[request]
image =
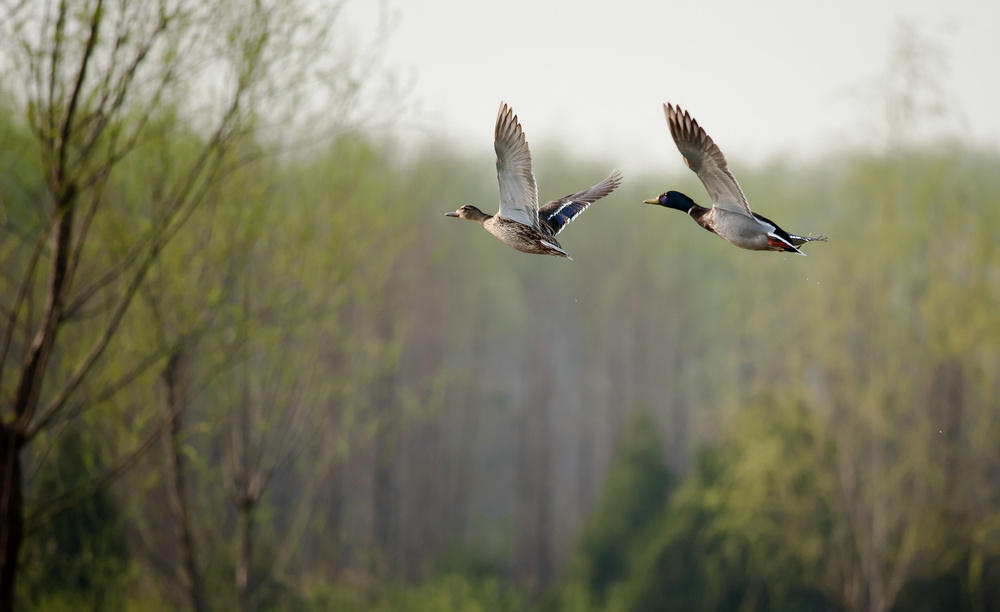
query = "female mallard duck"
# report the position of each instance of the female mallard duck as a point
(520, 222)
(729, 217)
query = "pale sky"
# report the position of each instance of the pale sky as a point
(774, 78)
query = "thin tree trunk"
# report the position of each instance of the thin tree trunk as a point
(384, 489)
(244, 529)
(12, 504)
(26, 396)
(543, 454)
(534, 431)
(179, 501)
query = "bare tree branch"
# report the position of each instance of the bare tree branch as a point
(23, 291)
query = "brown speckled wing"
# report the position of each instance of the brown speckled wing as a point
(518, 192)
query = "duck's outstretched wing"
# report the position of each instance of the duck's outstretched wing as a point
(518, 192)
(555, 215)
(703, 156)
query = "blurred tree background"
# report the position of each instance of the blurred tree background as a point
(247, 364)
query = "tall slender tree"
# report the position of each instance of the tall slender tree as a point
(99, 81)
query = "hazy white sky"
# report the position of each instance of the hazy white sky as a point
(779, 77)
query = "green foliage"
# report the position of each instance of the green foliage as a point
(741, 532)
(759, 525)
(81, 555)
(862, 385)
(634, 497)
(450, 593)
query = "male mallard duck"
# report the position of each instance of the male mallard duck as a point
(520, 222)
(729, 217)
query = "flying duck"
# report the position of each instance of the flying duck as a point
(729, 217)
(520, 222)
